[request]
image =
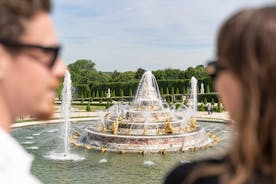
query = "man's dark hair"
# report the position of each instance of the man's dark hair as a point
(14, 13)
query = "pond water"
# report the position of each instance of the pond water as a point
(107, 167)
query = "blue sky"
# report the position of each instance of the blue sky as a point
(124, 35)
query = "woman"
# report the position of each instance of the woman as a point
(245, 78)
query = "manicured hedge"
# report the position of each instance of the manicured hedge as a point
(123, 89)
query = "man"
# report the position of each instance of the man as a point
(29, 73)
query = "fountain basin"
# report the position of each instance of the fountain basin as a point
(146, 143)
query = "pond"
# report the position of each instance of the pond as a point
(107, 167)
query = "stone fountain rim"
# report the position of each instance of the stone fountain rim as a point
(200, 130)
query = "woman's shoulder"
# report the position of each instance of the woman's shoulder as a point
(179, 174)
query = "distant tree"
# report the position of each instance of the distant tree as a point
(201, 107)
(160, 74)
(139, 73)
(93, 94)
(113, 93)
(219, 109)
(115, 75)
(183, 90)
(125, 77)
(58, 91)
(177, 91)
(83, 72)
(130, 92)
(82, 98)
(212, 102)
(205, 101)
(122, 92)
(97, 93)
(89, 94)
(167, 91)
(88, 108)
(208, 89)
(168, 99)
(172, 90)
(161, 91)
(107, 105)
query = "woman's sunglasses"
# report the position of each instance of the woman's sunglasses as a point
(213, 68)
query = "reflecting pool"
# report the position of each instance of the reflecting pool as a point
(44, 140)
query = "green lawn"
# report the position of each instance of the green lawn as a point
(93, 107)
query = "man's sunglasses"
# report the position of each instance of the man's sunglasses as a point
(213, 68)
(53, 51)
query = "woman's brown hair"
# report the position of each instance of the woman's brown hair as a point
(246, 46)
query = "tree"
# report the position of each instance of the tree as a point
(107, 105)
(113, 93)
(201, 107)
(130, 92)
(59, 91)
(115, 75)
(122, 92)
(172, 91)
(93, 94)
(160, 74)
(89, 94)
(205, 101)
(219, 109)
(208, 89)
(97, 93)
(177, 91)
(88, 108)
(167, 91)
(79, 70)
(161, 91)
(183, 90)
(124, 77)
(82, 98)
(213, 102)
(139, 73)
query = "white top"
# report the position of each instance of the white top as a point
(15, 162)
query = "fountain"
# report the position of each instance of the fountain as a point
(148, 124)
(202, 88)
(141, 128)
(66, 112)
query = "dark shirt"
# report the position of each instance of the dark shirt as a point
(179, 174)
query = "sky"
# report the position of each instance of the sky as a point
(125, 35)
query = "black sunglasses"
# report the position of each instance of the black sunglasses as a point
(54, 51)
(213, 68)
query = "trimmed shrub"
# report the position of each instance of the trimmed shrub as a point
(219, 109)
(88, 107)
(208, 96)
(82, 98)
(205, 101)
(201, 107)
(212, 102)
(130, 92)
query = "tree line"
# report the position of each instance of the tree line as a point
(88, 82)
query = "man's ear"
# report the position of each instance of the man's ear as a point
(4, 61)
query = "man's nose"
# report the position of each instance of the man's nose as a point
(59, 69)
